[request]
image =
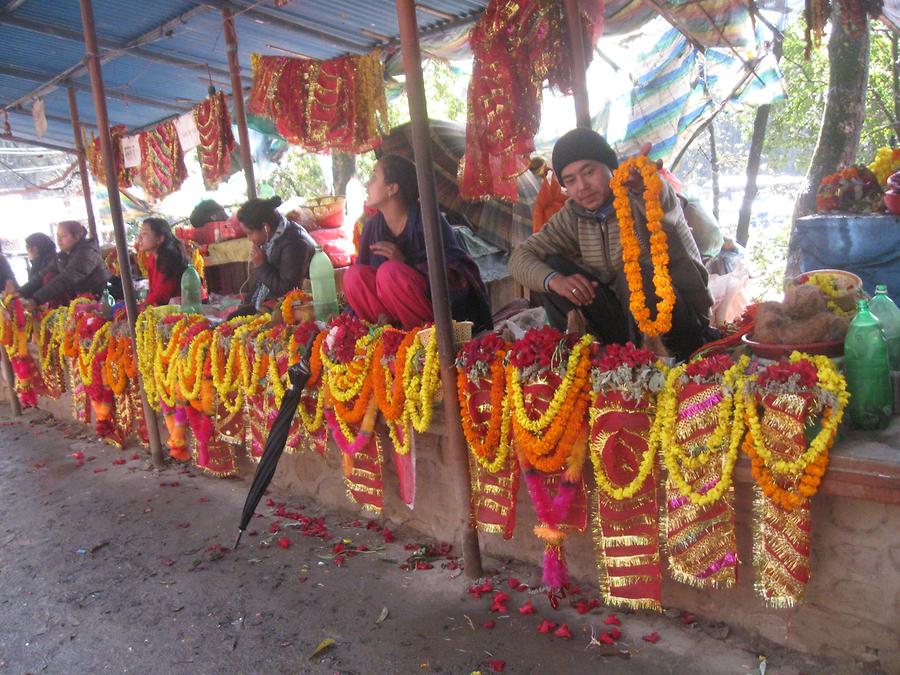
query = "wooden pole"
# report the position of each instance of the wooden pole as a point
(82, 164)
(115, 207)
(437, 276)
(579, 68)
(10, 378)
(237, 99)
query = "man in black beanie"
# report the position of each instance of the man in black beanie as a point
(575, 261)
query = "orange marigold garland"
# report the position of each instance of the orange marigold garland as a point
(487, 423)
(548, 379)
(631, 247)
(802, 394)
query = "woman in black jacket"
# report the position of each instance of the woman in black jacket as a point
(281, 251)
(42, 266)
(81, 267)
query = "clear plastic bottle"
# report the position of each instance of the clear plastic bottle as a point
(321, 279)
(888, 314)
(868, 371)
(107, 302)
(190, 290)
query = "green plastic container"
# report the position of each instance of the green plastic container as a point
(321, 280)
(190, 291)
(888, 314)
(868, 371)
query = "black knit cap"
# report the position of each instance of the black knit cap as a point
(581, 144)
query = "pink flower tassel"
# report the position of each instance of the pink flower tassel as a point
(556, 572)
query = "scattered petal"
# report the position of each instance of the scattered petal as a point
(615, 634)
(77, 455)
(383, 615)
(563, 632)
(135, 456)
(497, 665)
(119, 462)
(606, 639)
(612, 620)
(687, 618)
(489, 624)
(651, 637)
(527, 608)
(547, 627)
(101, 469)
(322, 646)
(513, 583)
(284, 542)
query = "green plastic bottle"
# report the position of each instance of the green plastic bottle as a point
(868, 371)
(887, 313)
(190, 290)
(321, 279)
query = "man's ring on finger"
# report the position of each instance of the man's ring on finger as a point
(575, 291)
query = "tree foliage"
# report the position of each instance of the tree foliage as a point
(795, 121)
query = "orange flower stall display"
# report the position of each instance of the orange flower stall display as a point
(626, 381)
(548, 381)
(487, 423)
(631, 249)
(801, 394)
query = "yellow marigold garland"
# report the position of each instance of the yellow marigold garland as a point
(420, 389)
(631, 249)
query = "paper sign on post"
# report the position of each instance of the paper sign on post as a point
(131, 151)
(188, 134)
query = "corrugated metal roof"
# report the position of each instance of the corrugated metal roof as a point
(41, 40)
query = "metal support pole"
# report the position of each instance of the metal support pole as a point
(82, 164)
(237, 99)
(579, 68)
(10, 378)
(437, 276)
(115, 208)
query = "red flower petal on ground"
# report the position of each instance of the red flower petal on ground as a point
(522, 587)
(615, 634)
(135, 456)
(563, 632)
(424, 566)
(582, 606)
(547, 627)
(513, 584)
(284, 542)
(612, 620)
(101, 469)
(119, 462)
(183, 526)
(167, 562)
(497, 665)
(489, 624)
(203, 500)
(652, 637)
(275, 527)
(500, 596)
(39, 465)
(687, 618)
(338, 561)
(527, 608)
(388, 535)
(606, 639)
(77, 455)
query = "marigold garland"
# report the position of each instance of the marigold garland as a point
(490, 447)
(287, 304)
(419, 388)
(631, 249)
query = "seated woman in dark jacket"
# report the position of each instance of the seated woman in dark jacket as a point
(390, 278)
(81, 267)
(42, 267)
(280, 255)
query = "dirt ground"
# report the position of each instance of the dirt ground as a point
(107, 565)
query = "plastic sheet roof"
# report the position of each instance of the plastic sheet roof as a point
(159, 57)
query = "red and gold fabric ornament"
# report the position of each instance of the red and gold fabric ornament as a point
(216, 139)
(162, 161)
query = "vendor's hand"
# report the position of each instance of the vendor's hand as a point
(576, 288)
(387, 250)
(257, 257)
(635, 182)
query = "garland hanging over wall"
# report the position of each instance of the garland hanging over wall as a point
(216, 139)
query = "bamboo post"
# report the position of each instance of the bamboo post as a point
(437, 276)
(237, 100)
(579, 69)
(115, 207)
(10, 378)
(82, 164)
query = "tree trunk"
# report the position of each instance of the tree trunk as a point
(845, 110)
(757, 141)
(714, 167)
(343, 166)
(895, 80)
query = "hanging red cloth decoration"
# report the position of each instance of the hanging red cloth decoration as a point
(517, 44)
(216, 139)
(95, 157)
(339, 104)
(162, 161)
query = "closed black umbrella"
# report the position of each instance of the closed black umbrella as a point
(278, 434)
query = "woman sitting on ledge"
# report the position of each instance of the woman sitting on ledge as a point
(389, 281)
